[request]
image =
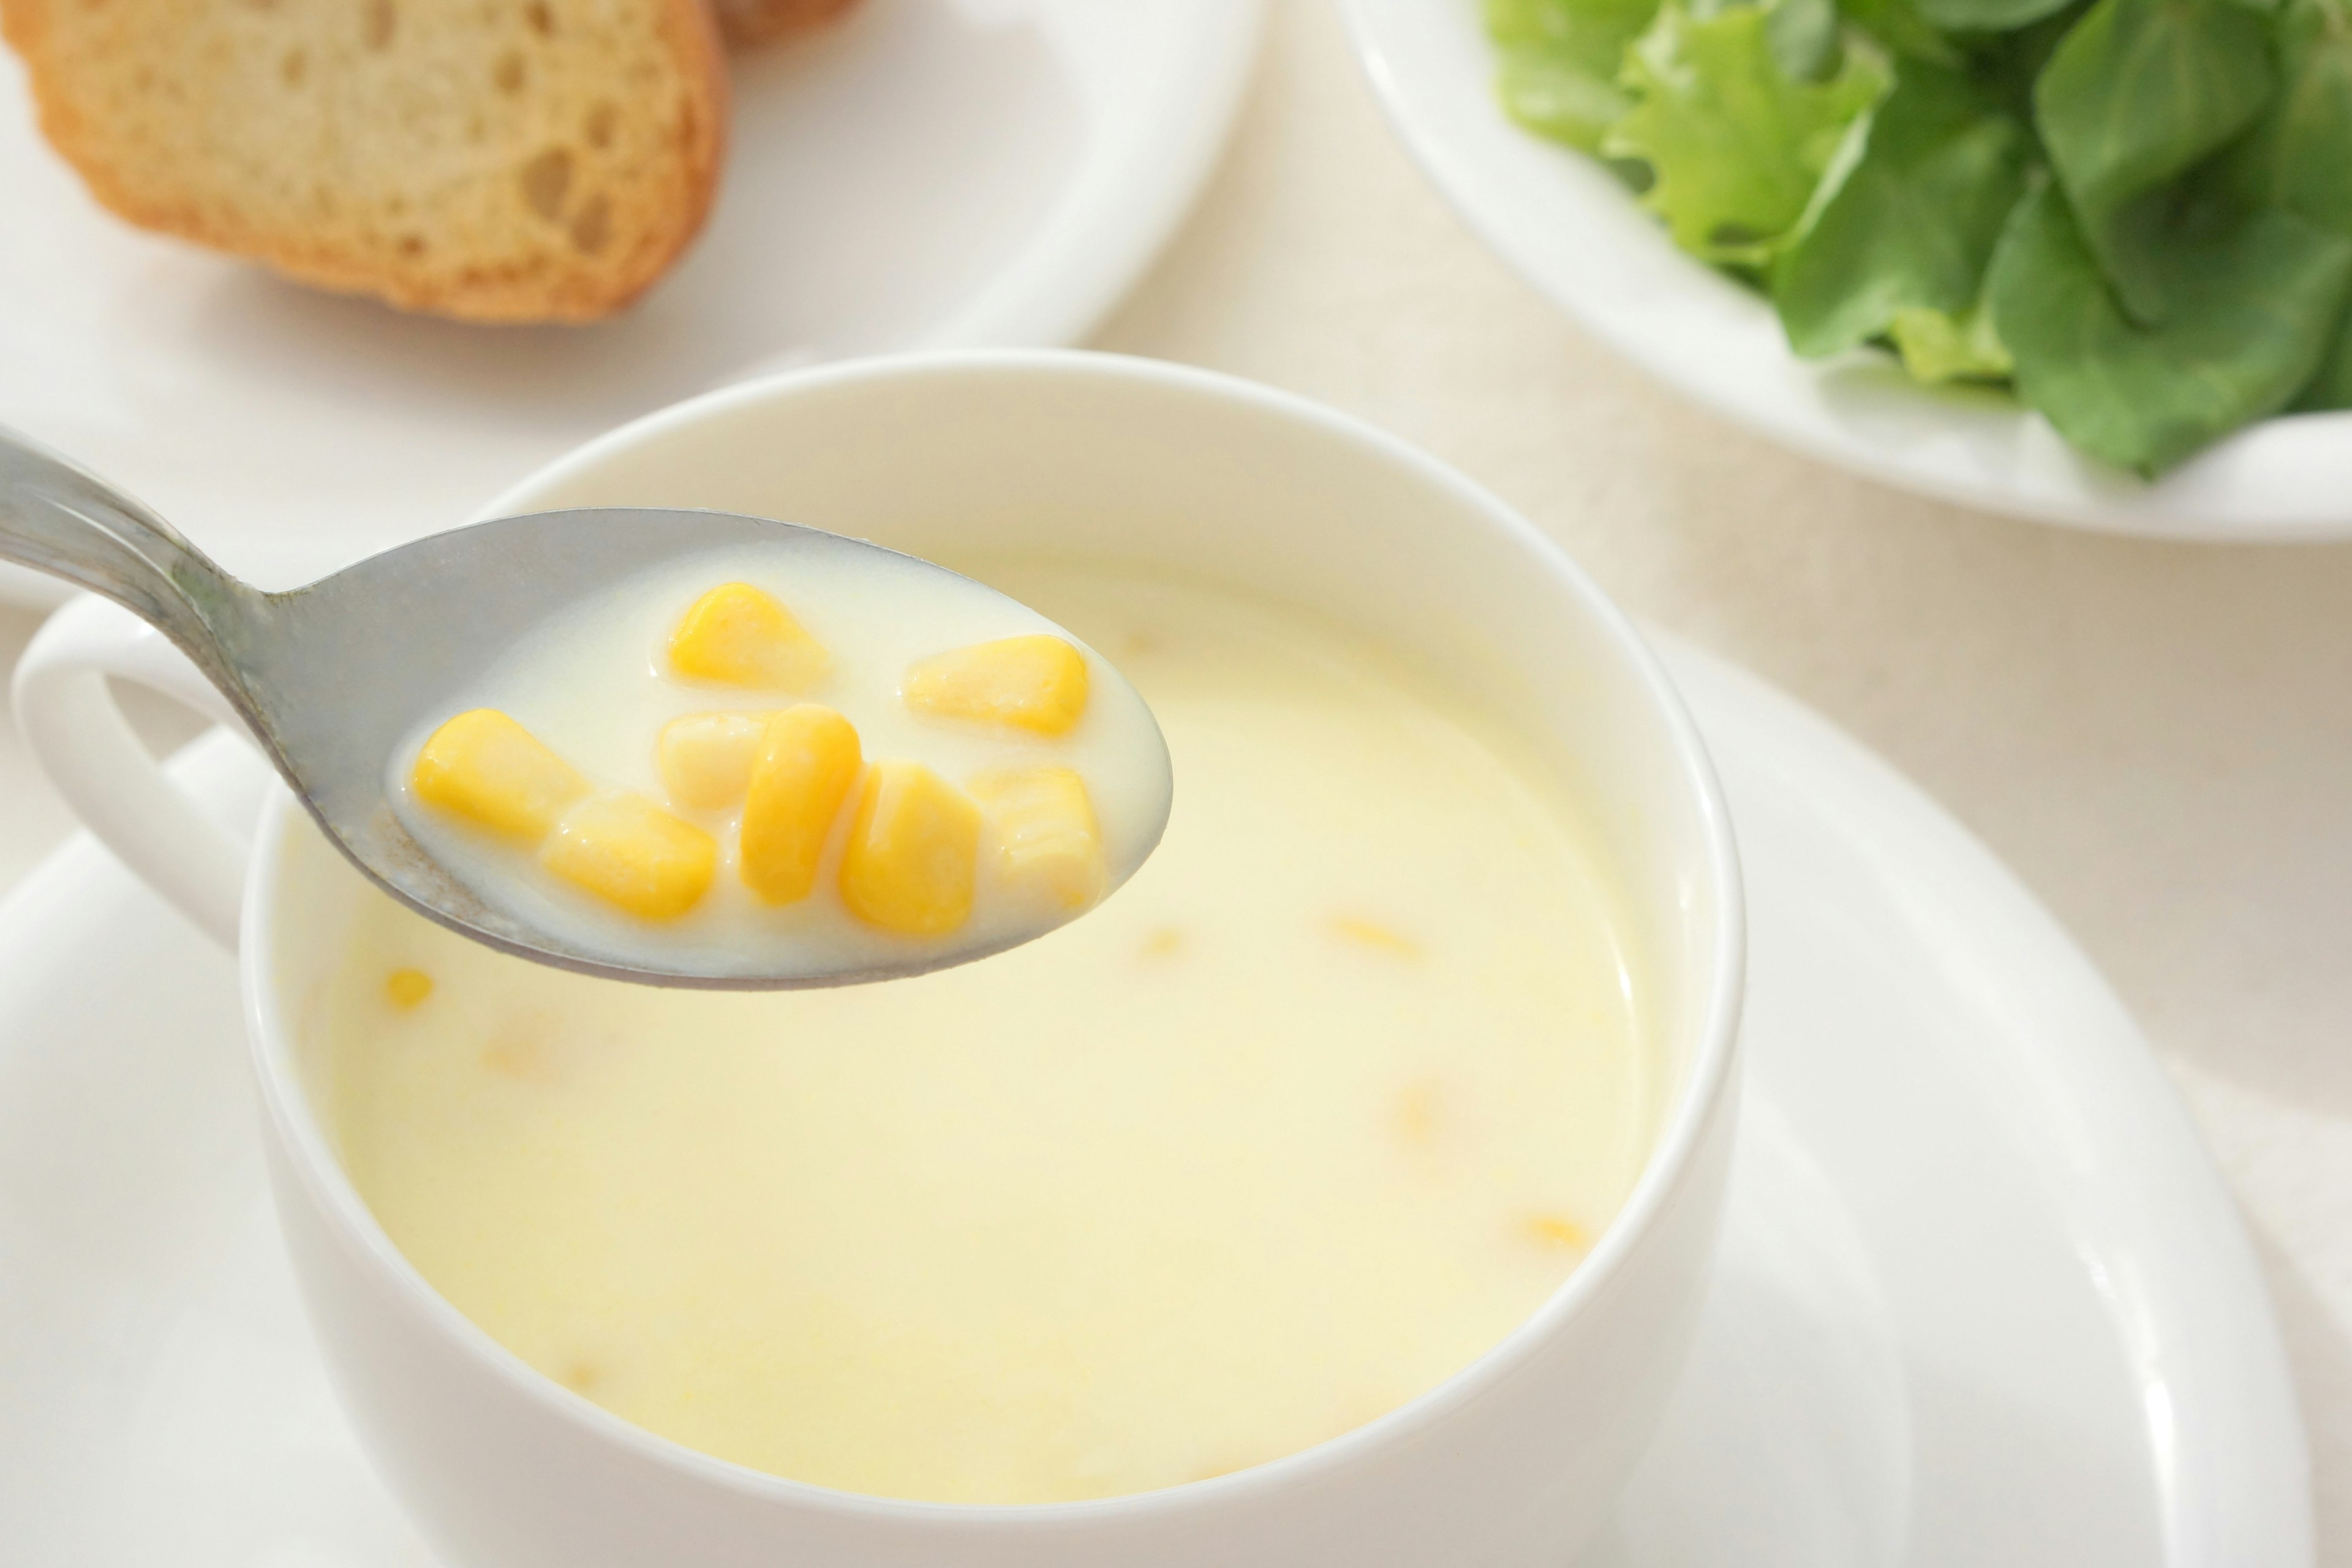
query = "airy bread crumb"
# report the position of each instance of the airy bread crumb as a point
(489, 159)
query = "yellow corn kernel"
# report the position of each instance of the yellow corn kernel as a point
(407, 988)
(914, 849)
(706, 758)
(1554, 1230)
(523, 1049)
(628, 851)
(1043, 828)
(738, 634)
(1418, 1113)
(1032, 683)
(1378, 937)
(808, 757)
(487, 768)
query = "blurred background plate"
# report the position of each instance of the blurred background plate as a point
(929, 174)
(1576, 233)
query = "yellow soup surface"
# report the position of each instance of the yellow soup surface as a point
(1311, 1113)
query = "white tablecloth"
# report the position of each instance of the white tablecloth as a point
(2157, 737)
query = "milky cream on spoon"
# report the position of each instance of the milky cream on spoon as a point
(761, 761)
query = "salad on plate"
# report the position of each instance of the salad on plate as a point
(2136, 213)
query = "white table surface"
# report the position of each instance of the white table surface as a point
(2158, 738)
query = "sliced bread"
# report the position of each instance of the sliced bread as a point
(490, 160)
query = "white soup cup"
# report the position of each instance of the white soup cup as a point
(1512, 1462)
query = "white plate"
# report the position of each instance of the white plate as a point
(1983, 1300)
(1580, 236)
(931, 174)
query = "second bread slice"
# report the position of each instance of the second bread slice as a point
(491, 160)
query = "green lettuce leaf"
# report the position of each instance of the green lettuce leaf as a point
(1986, 15)
(1898, 24)
(2300, 156)
(1808, 37)
(2138, 94)
(1939, 346)
(1736, 146)
(2256, 308)
(1914, 220)
(2330, 387)
(2008, 65)
(1559, 63)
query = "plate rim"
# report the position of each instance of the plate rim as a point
(2185, 1293)
(1047, 298)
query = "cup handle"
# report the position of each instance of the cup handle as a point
(87, 749)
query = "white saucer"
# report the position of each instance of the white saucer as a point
(1578, 234)
(1983, 1299)
(932, 174)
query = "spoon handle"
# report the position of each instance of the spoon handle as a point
(59, 518)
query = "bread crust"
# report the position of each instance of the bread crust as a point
(551, 281)
(749, 23)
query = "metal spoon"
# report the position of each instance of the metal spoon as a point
(331, 677)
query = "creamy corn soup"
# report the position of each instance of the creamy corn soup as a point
(776, 762)
(1330, 1097)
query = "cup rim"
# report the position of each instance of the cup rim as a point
(295, 1122)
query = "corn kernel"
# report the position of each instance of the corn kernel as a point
(914, 849)
(407, 988)
(1046, 841)
(1554, 1230)
(1378, 937)
(1032, 683)
(738, 634)
(706, 758)
(628, 851)
(1418, 1113)
(522, 1049)
(808, 757)
(485, 767)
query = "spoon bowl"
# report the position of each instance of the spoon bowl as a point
(332, 678)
